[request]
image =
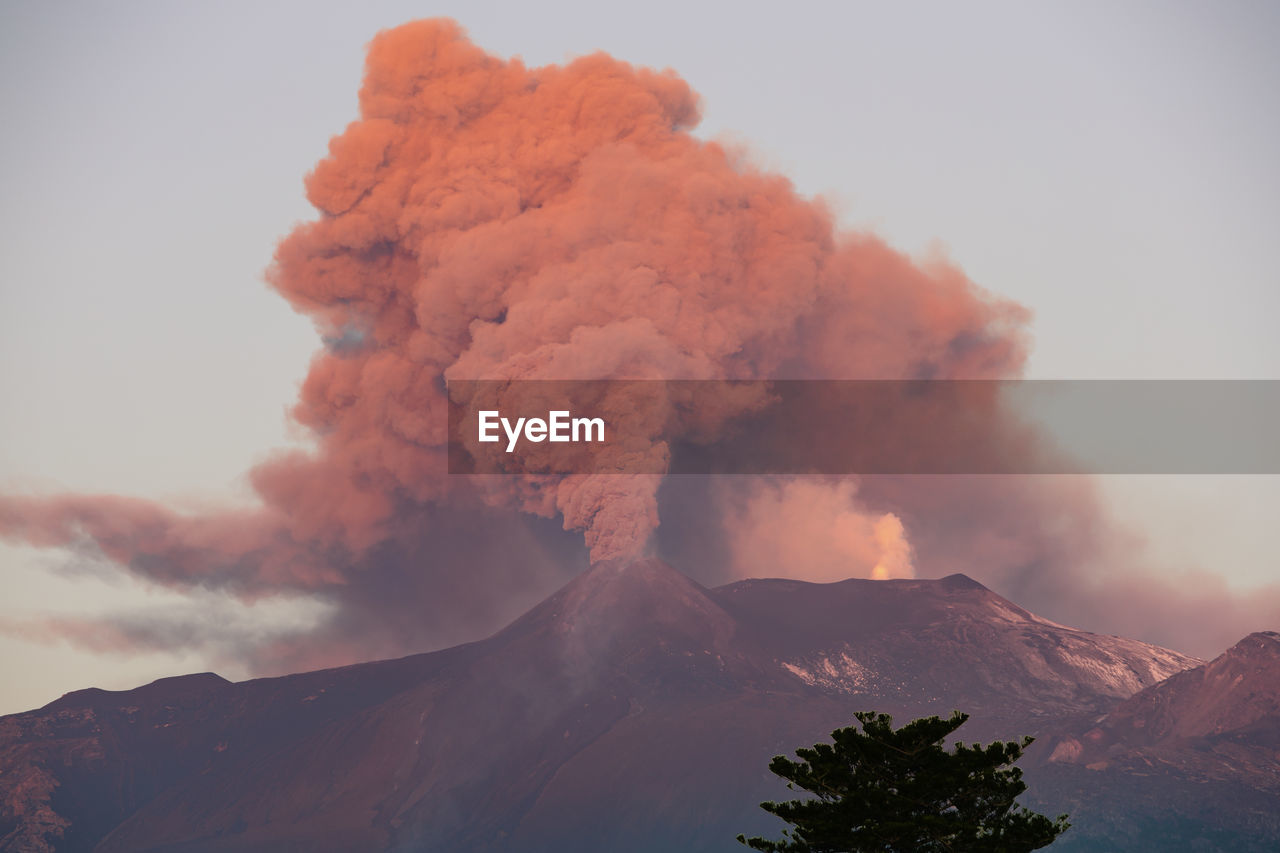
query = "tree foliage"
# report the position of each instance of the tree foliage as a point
(887, 789)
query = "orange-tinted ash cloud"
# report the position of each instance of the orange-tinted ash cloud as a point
(484, 219)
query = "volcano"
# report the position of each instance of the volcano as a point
(632, 710)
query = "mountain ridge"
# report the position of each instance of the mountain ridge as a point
(632, 710)
(1226, 707)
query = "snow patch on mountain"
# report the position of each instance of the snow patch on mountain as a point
(832, 671)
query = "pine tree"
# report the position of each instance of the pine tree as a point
(883, 789)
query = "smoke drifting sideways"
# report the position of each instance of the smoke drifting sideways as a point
(486, 220)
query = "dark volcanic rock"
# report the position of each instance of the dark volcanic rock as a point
(1226, 698)
(1213, 721)
(633, 710)
(1198, 753)
(1220, 720)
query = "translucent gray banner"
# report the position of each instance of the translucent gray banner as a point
(546, 427)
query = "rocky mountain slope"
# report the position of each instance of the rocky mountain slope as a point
(1199, 750)
(1223, 714)
(633, 710)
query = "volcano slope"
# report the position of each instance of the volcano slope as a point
(632, 710)
(1192, 762)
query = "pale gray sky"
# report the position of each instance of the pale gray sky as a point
(1110, 165)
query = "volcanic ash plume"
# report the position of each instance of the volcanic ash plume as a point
(485, 220)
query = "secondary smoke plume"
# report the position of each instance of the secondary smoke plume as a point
(483, 219)
(813, 530)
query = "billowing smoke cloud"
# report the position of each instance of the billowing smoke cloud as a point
(482, 219)
(811, 529)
